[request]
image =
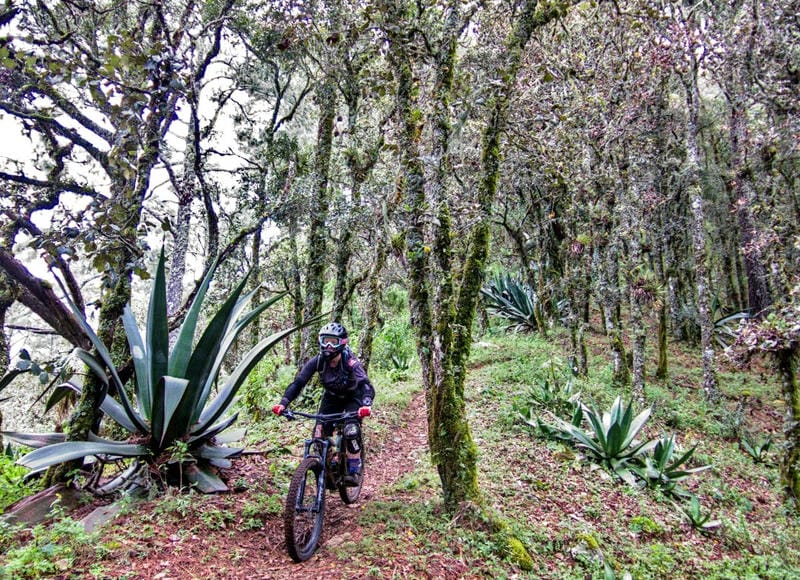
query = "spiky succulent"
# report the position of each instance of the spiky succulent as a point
(172, 417)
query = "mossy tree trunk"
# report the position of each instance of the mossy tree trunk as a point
(318, 233)
(790, 462)
(698, 235)
(7, 297)
(444, 339)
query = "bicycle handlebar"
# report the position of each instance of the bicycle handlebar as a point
(292, 415)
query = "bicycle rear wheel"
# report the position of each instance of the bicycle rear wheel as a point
(304, 511)
(350, 493)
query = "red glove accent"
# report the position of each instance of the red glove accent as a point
(278, 409)
(364, 412)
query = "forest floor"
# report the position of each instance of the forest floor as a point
(574, 518)
(231, 552)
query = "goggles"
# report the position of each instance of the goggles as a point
(329, 341)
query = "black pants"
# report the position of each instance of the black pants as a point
(332, 404)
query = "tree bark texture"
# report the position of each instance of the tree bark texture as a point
(318, 232)
(790, 462)
(758, 294)
(710, 386)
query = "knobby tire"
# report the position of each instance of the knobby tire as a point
(350, 494)
(302, 524)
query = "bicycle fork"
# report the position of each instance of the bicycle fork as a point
(320, 479)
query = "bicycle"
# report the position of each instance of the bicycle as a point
(304, 511)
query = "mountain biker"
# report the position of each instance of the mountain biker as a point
(346, 388)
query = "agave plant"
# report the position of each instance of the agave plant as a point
(509, 298)
(665, 469)
(724, 332)
(756, 448)
(697, 518)
(612, 440)
(172, 407)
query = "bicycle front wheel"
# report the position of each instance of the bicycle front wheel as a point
(304, 510)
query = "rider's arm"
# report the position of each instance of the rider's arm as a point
(363, 385)
(300, 381)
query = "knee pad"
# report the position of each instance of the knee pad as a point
(351, 437)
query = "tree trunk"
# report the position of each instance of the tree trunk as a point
(295, 285)
(318, 232)
(662, 369)
(7, 297)
(790, 462)
(758, 294)
(710, 385)
(180, 234)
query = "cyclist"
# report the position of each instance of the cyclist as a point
(346, 388)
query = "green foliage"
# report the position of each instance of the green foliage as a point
(698, 519)
(612, 437)
(394, 348)
(259, 389)
(611, 441)
(395, 299)
(553, 392)
(645, 525)
(13, 486)
(756, 448)
(49, 552)
(172, 391)
(509, 298)
(664, 469)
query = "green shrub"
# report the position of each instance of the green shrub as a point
(756, 448)
(394, 347)
(13, 487)
(612, 437)
(699, 519)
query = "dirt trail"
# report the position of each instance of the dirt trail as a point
(176, 551)
(387, 464)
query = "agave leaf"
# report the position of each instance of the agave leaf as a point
(598, 426)
(169, 395)
(215, 452)
(220, 463)
(94, 365)
(141, 363)
(59, 393)
(613, 441)
(182, 351)
(202, 364)
(97, 439)
(218, 406)
(640, 449)
(684, 458)
(213, 431)
(106, 357)
(35, 440)
(227, 342)
(637, 426)
(10, 376)
(231, 436)
(204, 479)
(109, 406)
(158, 330)
(67, 451)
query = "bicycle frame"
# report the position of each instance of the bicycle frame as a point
(304, 515)
(323, 444)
